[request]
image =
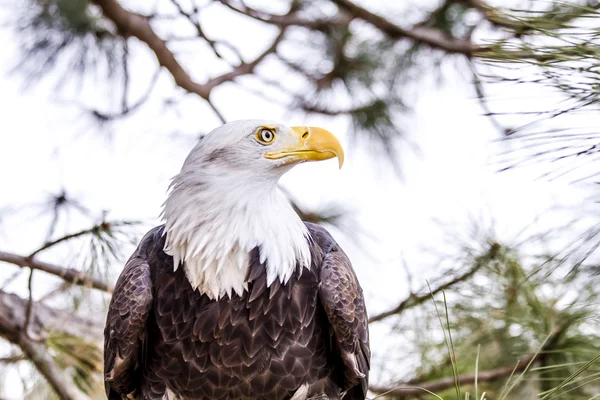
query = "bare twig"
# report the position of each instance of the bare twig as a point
(125, 63)
(483, 102)
(127, 109)
(245, 67)
(12, 359)
(217, 112)
(11, 279)
(194, 21)
(29, 311)
(68, 274)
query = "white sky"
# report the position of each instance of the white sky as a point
(46, 144)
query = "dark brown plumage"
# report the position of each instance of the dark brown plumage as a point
(265, 344)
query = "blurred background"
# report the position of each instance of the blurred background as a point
(468, 201)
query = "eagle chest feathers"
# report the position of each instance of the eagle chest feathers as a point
(266, 343)
(234, 297)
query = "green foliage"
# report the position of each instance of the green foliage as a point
(80, 359)
(513, 313)
(449, 19)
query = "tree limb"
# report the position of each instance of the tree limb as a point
(405, 390)
(68, 274)
(415, 299)
(421, 34)
(402, 391)
(13, 323)
(212, 43)
(245, 67)
(36, 352)
(45, 319)
(131, 24)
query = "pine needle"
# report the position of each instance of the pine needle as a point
(449, 344)
(520, 377)
(477, 372)
(570, 378)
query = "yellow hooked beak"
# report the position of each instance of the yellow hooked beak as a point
(310, 144)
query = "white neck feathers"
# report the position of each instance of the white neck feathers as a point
(213, 222)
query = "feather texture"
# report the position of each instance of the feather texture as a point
(217, 212)
(307, 337)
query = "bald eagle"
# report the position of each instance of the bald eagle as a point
(234, 297)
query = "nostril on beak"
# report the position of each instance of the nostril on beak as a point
(305, 135)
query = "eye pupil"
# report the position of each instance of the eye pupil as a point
(267, 135)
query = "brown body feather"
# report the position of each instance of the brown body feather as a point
(162, 336)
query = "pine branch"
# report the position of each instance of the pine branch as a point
(554, 18)
(68, 274)
(414, 300)
(47, 245)
(421, 34)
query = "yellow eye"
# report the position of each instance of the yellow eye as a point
(265, 136)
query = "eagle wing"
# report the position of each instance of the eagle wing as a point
(343, 301)
(125, 328)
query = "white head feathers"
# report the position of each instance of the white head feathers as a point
(224, 203)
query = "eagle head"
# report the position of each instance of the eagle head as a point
(224, 204)
(264, 147)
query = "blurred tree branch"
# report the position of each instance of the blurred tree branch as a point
(70, 275)
(192, 18)
(127, 108)
(45, 320)
(429, 36)
(414, 300)
(129, 24)
(37, 353)
(104, 226)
